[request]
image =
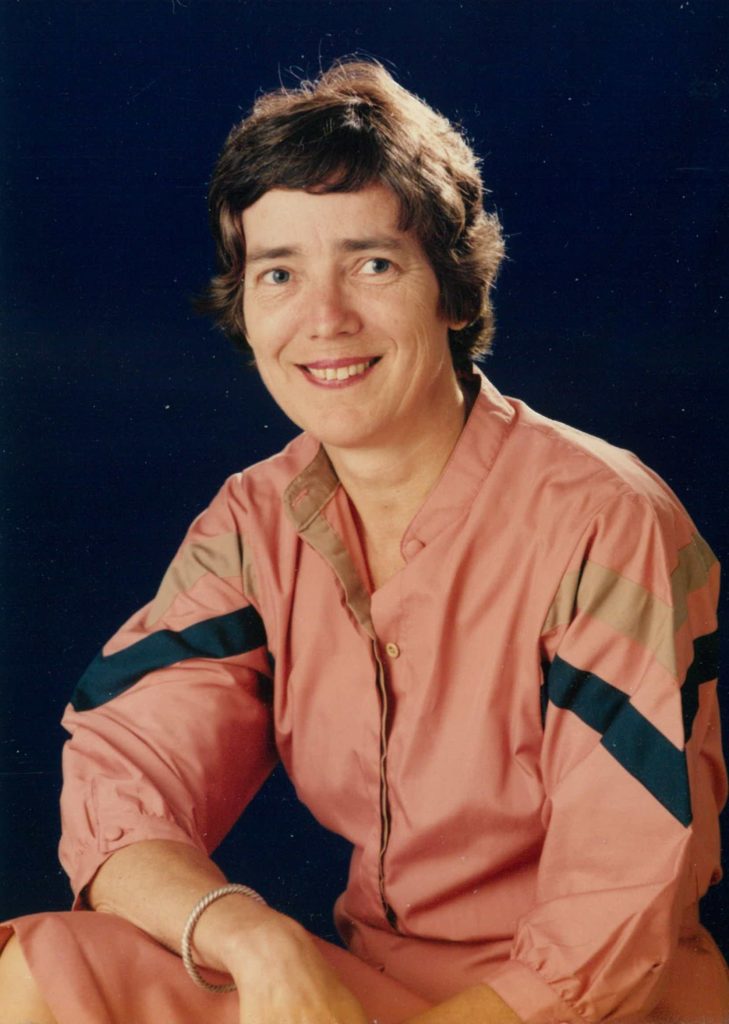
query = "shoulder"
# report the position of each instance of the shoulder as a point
(611, 509)
(249, 502)
(542, 460)
(261, 486)
(581, 459)
(577, 477)
(571, 496)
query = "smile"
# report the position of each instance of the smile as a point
(338, 372)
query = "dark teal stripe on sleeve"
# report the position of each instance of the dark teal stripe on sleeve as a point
(703, 668)
(221, 637)
(632, 740)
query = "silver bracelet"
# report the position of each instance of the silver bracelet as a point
(195, 914)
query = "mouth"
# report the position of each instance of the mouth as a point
(338, 372)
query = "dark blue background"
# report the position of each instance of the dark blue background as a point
(603, 129)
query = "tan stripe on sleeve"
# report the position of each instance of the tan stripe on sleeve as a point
(692, 572)
(563, 605)
(221, 556)
(629, 608)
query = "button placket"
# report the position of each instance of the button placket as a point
(386, 614)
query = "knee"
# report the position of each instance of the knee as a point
(20, 998)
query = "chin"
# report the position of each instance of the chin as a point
(329, 426)
(340, 439)
(340, 435)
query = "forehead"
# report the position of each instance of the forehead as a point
(288, 216)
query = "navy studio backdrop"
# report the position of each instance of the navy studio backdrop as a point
(602, 127)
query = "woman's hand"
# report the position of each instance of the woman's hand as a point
(283, 979)
(280, 975)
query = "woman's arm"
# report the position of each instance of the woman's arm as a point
(630, 765)
(273, 960)
(171, 736)
(279, 973)
(155, 884)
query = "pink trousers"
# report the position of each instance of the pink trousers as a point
(95, 968)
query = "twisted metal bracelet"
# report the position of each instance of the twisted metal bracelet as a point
(200, 907)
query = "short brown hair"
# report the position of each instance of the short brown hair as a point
(352, 126)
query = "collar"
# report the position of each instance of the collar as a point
(469, 464)
(473, 455)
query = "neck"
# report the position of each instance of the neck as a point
(388, 483)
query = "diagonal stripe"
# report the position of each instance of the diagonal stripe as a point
(630, 609)
(220, 556)
(702, 669)
(222, 637)
(694, 563)
(564, 604)
(632, 740)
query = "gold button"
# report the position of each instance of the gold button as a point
(413, 547)
(393, 650)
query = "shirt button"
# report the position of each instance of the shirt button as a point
(411, 549)
(393, 650)
(113, 832)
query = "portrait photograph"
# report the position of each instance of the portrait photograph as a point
(365, 476)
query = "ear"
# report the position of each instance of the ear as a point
(457, 325)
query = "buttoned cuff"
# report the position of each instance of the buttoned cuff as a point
(531, 998)
(84, 860)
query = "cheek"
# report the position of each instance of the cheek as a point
(264, 335)
(269, 328)
(426, 325)
(273, 383)
(269, 372)
(421, 307)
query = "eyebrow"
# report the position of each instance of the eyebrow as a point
(376, 242)
(277, 253)
(382, 242)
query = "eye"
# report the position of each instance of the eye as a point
(377, 265)
(277, 276)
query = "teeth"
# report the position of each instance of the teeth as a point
(339, 372)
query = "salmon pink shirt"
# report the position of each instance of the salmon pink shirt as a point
(518, 732)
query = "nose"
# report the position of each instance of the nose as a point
(330, 310)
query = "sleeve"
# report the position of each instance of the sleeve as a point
(171, 725)
(631, 766)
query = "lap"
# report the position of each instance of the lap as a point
(94, 968)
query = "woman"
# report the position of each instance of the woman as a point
(482, 644)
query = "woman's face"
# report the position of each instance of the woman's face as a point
(341, 311)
